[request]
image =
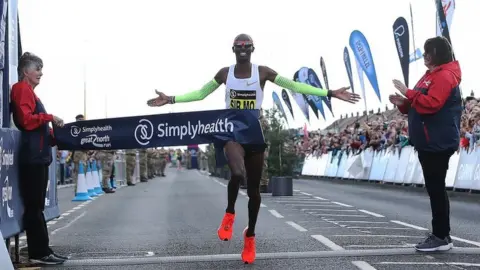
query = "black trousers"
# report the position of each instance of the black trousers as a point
(33, 188)
(435, 166)
(62, 173)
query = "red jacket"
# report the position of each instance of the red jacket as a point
(31, 118)
(434, 109)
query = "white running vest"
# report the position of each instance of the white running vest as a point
(243, 93)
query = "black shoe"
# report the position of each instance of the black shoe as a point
(47, 260)
(60, 256)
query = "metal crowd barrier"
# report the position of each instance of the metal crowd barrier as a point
(394, 166)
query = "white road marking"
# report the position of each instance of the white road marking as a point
(363, 222)
(375, 235)
(432, 263)
(381, 228)
(242, 192)
(466, 241)
(371, 213)
(262, 205)
(306, 194)
(327, 242)
(302, 201)
(150, 254)
(305, 205)
(70, 211)
(313, 210)
(23, 237)
(52, 222)
(77, 207)
(222, 184)
(362, 265)
(409, 225)
(333, 215)
(342, 204)
(275, 213)
(69, 224)
(296, 190)
(65, 214)
(320, 198)
(381, 246)
(296, 226)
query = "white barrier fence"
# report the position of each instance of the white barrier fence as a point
(392, 167)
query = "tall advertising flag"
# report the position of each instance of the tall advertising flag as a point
(313, 80)
(324, 72)
(278, 103)
(348, 66)
(401, 36)
(363, 54)
(286, 99)
(442, 23)
(301, 76)
(301, 102)
(362, 82)
(448, 8)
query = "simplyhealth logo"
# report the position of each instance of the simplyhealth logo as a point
(7, 158)
(145, 129)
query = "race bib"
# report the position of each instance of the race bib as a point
(243, 99)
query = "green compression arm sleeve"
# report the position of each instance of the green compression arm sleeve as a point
(298, 87)
(206, 90)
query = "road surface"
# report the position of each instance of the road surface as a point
(171, 223)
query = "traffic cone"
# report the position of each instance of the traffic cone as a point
(82, 189)
(96, 180)
(91, 185)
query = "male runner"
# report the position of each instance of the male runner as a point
(244, 83)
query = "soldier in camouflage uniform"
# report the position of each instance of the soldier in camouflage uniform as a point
(79, 156)
(156, 163)
(162, 157)
(188, 159)
(106, 159)
(150, 163)
(264, 180)
(130, 156)
(143, 165)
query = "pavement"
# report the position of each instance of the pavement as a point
(171, 222)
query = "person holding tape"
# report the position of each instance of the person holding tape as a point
(244, 83)
(434, 109)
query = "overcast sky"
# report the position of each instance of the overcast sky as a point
(129, 48)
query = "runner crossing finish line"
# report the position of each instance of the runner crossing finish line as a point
(244, 83)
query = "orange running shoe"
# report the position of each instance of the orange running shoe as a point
(249, 250)
(225, 230)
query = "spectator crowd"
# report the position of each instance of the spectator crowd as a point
(378, 131)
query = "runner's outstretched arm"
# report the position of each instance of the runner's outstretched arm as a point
(306, 89)
(196, 95)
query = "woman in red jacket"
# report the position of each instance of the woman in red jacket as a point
(31, 118)
(434, 109)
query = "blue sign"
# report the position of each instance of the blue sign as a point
(174, 129)
(11, 208)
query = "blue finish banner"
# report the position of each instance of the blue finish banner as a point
(173, 129)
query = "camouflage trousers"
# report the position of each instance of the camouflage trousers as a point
(130, 164)
(264, 180)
